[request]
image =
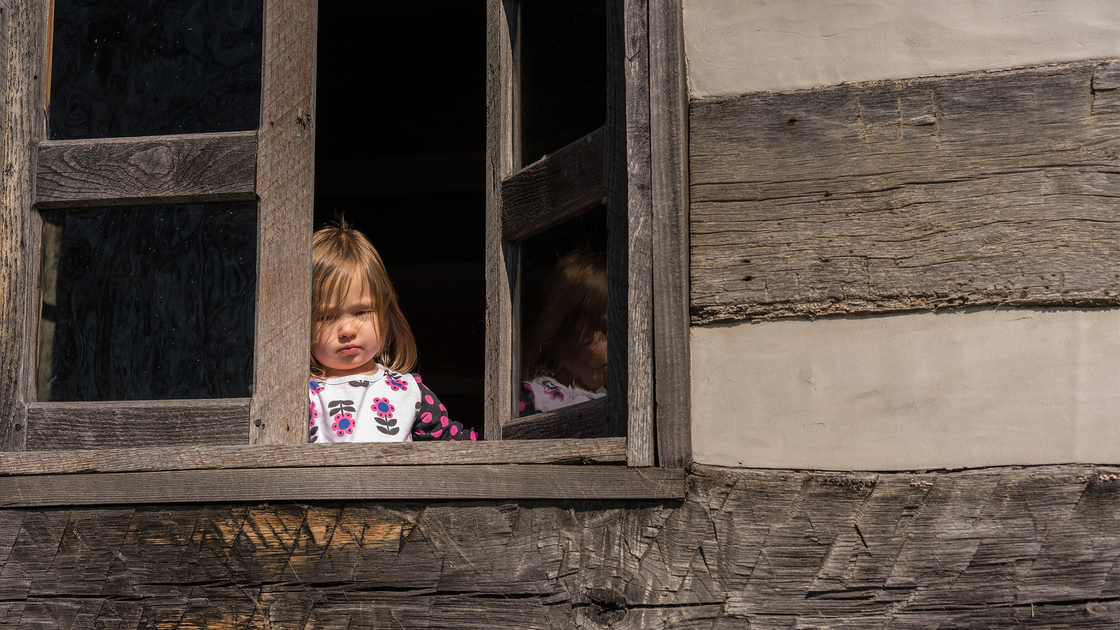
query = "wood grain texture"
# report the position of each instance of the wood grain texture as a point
(205, 457)
(585, 420)
(994, 548)
(669, 210)
(995, 188)
(498, 404)
(554, 189)
(639, 260)
(23, 27)
(285, 186)
(177, 169)
(445, 481)
(61, 426)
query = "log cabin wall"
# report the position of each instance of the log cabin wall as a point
(904, 240)
(995, 548)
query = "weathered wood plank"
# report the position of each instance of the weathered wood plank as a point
(585, 420)
(639, 260)
(201, 457)
(24, 26)
(554, 189)
(506, 481)
(982, 189)
(178, 169)
(500, 108)
(668, 113)
(1034, 547)
(285, 185)
(108, 424)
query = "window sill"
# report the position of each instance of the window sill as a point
(345, 483)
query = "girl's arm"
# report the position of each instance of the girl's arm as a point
(432, 422)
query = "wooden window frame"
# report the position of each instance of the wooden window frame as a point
(274, 166)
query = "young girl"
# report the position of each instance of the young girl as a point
(565, 355)
(361, 351)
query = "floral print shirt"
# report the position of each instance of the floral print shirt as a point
(381, 407)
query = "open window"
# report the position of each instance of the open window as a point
(272, 167)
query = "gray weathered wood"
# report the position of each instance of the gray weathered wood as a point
(498, 404)
(285, 185)
(202, 457)
(91, 425)
(445, 481)
(585, 420)
(995, 548)
(669, 202)
(996, 188)
(24, 28)
(177, 169)
(554, 189)
(639, 261)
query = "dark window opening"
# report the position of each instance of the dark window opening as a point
(400, 152)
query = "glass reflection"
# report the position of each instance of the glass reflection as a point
(148, 303)
(154, 67)
(563, 73)
(564, 343)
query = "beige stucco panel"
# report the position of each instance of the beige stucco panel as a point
(739, 46)
(913, 391)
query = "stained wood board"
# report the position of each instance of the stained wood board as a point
(994, 188)
(96, 425)
(25, 24)
(1003, 547)
(285, 185)
(204, 457)
(177, 169)
(669, 211)
(506, 481)
(554, 189)
(585, 420)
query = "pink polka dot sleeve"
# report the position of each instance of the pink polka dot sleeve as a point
(432, 421)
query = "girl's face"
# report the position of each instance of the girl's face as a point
(589, 367)
(349, 339)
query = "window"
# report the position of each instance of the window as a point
(273, 165)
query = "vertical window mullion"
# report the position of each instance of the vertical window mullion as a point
(25, 25)
(285, 189)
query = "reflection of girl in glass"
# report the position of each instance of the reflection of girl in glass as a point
(565, 354)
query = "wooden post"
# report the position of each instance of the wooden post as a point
(285, 188)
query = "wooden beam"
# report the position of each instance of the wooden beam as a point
(668, 113)
(639, 262)
(442, 482)
(285, 184)
(554, 189)
(206, 457)
(66, 426)
(24, 25)
(984, 189)
(500, 14)
(585, 420)
(176, 169)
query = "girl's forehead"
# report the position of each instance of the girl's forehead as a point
(351, 289)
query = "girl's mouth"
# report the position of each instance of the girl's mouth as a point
(349, 349)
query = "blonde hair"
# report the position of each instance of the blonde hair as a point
(337, 253)
(572, 308)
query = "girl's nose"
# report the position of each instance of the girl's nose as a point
(348, 327)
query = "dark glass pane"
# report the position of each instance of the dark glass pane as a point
(563, 284)
(154, 67)
(563, 72)
(148, 303)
